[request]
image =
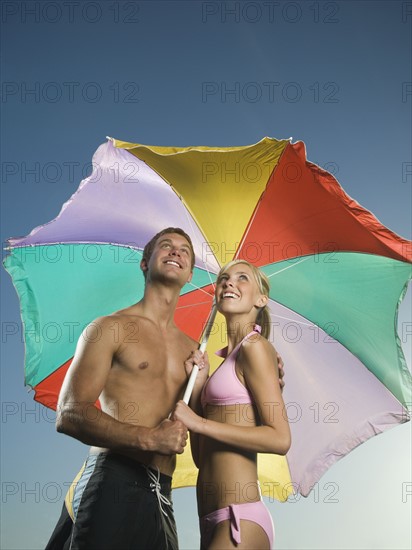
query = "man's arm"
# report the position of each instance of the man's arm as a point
(78, 416)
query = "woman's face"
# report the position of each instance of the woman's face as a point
(237, 290)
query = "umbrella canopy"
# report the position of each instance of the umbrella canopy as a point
(337, 277)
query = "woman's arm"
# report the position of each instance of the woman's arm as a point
(202, 361)
(194, 437)
(256, 360)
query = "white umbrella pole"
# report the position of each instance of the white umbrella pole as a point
(202, 347)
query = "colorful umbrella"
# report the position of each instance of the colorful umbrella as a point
(337, 278)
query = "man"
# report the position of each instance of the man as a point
(132, 362)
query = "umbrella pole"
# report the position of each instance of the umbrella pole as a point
(202, 347)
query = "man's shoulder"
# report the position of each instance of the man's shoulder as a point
(121, 318)
(187, 339)
(128, 313)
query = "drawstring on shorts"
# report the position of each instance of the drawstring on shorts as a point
(156, 488)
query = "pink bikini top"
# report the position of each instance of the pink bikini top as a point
(224, 386)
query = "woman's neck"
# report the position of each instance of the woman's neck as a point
(238, 326)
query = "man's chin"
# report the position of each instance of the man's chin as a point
(169, 279)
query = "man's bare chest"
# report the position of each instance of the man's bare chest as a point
(147, 356)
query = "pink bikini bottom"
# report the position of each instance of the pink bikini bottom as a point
(251, 511)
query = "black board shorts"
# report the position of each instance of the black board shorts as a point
(116, 503)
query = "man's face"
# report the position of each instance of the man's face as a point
(170, 260)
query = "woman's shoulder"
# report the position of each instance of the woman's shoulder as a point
(256, 350)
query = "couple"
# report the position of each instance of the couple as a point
(137, 366)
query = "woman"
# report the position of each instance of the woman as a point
(237, 412)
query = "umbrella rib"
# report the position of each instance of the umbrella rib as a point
(189, 215)
(292, 320)
(201, 288)
(192, 305)
(249, 226)
(289, 266)
(191, 221)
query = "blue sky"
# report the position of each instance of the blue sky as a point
(336, 75)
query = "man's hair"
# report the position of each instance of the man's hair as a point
(148, 249)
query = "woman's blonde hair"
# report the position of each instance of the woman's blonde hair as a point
(263, 317)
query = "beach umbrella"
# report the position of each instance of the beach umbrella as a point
(337, 277)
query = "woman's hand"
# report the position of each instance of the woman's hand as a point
(201, 360)
(189, 418)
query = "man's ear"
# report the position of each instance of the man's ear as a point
(190, 277)
(143, 264)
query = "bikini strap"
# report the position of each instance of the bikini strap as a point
(223, 352)
(256, 328)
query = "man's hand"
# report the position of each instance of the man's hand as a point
(281, 372)
(169, 437)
